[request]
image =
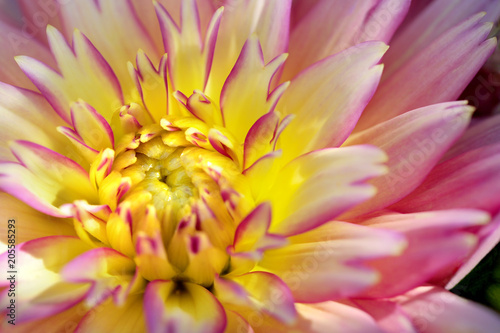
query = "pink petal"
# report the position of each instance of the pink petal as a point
(36, 16)
(44, 179)
(35, 121)
(18, 41)
(300, 9)
(434, 310)
(38, 264)
(437, 242)
(331, 26)
(190, 309)
(434, 20)
(489, 237)
(317, 187)
(66, 320)
(108, 271)
(328, 98)
(470, 180)
(480, 134)
(32, 223)
(388, 314)
(414, 141)
(331, 261)
(100, 88)
(454, 58)
(330, 317)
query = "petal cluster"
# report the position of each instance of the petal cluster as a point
(172, 169)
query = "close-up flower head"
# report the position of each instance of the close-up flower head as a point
(212, 166)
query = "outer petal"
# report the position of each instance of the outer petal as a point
(414, 141)
(109, 272)
(328, 98)
(329, 262)
(32, 223)
(454, 58)
(36, 16)
(434, 310)
(432, 22)
(321, 318)
(479, 134)
(437, 243)
(317, 187)
(388, 314)
(84, 74)
(325, 316)
(189, 57)
(44, 293)
(107, 317)
(19, 41)
(246, 96)
(331, 26)
(64, 321)
(470, 180)
(268, 20)
(44, 179)
(190, 309)
(489, 237)
(34, 120)
(115, 29)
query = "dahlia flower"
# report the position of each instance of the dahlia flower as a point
(245, 166)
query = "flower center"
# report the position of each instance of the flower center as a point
(182, 206)
(159, 170)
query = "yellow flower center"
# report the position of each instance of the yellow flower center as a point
(159, 170)
(184, 202)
